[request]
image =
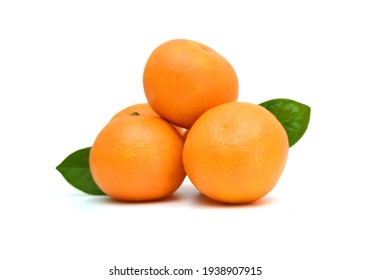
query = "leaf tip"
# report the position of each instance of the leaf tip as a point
(58, 167)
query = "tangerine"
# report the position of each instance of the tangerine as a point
(236, 152)
(137, 158)
(183, 78)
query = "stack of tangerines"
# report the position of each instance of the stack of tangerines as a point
(233, 152)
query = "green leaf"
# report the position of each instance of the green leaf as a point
(294, 116)
(75, 169)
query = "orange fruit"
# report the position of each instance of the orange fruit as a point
(235, 152)
(182, 79)
(143, 109)
(137, 158)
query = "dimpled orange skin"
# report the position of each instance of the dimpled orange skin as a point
(235, 153)
(182, 79)
(137, 159)
(143, 109)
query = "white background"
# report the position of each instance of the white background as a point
(66, 67)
